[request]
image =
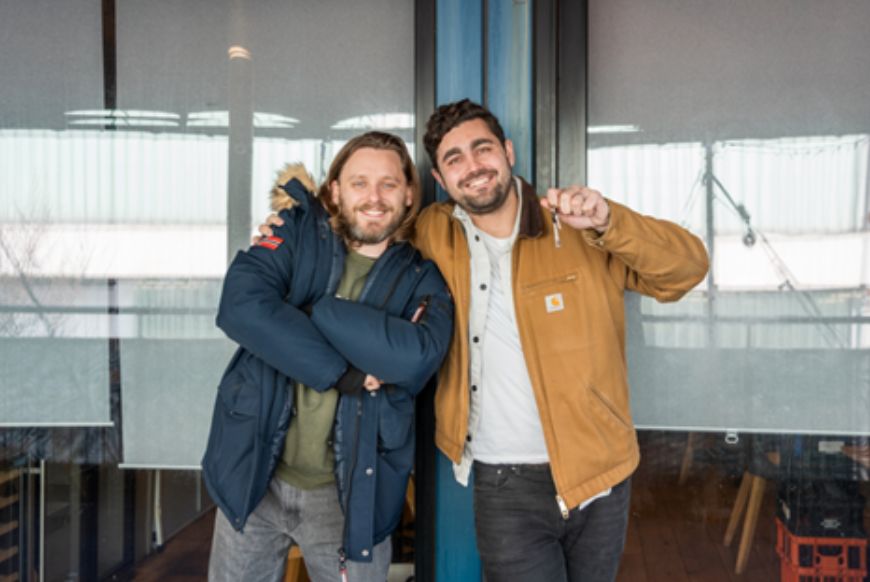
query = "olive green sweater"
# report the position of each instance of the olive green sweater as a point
(308, 460)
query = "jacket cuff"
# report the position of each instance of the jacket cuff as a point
(351, 382)
(601, 239)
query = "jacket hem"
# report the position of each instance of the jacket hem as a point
(446, 445)
(580, 493)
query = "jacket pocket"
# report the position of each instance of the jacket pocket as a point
(555, 316)
(607, 410)
(609, 439)
(390, 492)
(540, 285)
(395, 419)
(239, 396)
(231, 455)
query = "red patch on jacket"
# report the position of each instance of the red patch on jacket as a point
(271, 242)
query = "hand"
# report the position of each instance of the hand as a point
(371, 383)
(265, 229)
(579, 207)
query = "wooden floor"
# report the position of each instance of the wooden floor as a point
(184, 558)
(675, 531)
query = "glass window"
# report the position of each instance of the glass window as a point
(54, 364)
(134, 138)
(771, 169)
(746, 123)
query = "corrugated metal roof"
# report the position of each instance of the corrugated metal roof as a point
(788, 186)
(130, 177)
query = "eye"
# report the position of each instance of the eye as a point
(451, 161)
(389, 185)
(358, 184)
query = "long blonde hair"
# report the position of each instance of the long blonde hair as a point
(380, 141)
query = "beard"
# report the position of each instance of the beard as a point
(352, 229)
(488, 203)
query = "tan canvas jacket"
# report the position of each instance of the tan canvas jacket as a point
(575, 349)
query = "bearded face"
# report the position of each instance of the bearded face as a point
(475, 168)
(373, 197)
(370, 223)
(482, 191)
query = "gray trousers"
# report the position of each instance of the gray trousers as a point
(311, 519)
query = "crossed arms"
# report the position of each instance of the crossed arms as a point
(323, 341)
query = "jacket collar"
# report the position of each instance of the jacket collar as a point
(530, 219)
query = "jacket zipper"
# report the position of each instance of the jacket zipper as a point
(563, 507)
(560, 279)
(342, 554)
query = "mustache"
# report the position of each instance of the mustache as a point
(475, 176)
(378, 206)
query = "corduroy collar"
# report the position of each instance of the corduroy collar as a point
(531, 219)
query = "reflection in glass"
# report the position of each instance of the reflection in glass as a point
(752, 132)
(790, 270)
(115, 184)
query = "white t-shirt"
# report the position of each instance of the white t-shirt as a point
(510, 429)
(510, 425)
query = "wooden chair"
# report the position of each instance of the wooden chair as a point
(295, 571)
(749, 498)
(789, 457)
(688, 454)
(765, 463)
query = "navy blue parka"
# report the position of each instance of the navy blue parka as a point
(278, 303)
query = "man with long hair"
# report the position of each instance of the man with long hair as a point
(340, 323)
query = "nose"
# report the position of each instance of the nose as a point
(473, 164)
(372, 193)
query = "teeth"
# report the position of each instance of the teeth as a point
(478, 182)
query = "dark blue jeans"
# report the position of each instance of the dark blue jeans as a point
(521, 534)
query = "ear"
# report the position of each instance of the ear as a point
(437, 175)
(335, 190)
(509, 150)
(409, 196)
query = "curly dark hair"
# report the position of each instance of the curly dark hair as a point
(448, 116)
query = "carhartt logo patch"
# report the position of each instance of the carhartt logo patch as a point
(554, 302)
(271, 242)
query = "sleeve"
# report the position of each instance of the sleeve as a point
(394, 349)
(254, 313)
(651, 256)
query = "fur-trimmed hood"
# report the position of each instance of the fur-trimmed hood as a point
(280, 198)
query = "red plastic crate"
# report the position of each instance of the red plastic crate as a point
(809, 559)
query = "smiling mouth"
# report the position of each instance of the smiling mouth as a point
(373, 211)
(478, 181)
